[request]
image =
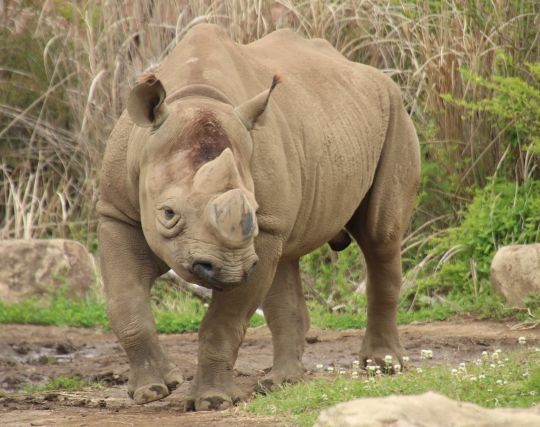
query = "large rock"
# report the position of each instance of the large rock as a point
(429, 409)
(41, 267)
(515, 272)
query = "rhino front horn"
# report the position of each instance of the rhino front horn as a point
(232, 218)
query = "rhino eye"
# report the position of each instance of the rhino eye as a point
(168, 213)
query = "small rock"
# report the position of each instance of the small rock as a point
(22, 348)
(515, 272)
(42, 267)
(65, 347)
(428, 409)
(51, 397)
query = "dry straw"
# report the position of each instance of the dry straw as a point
(77, 59)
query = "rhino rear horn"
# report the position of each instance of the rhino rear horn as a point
(252, 109)
(146, 105)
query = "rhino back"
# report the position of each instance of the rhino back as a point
(336, 114)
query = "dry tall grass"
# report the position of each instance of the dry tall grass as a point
(67, 66)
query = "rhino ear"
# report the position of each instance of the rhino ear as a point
(251, 110)
(146, 105)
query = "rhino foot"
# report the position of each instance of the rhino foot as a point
(212, 399)
(376, 350)
(154, 388)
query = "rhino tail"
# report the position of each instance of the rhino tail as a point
(340, 241)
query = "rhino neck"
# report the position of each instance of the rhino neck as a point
(199, 90)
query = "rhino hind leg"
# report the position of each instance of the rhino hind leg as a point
(340, 241)
(378, 226)
(287, 316)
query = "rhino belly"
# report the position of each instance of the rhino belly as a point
(336, 191)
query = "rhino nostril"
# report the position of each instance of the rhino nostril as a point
(204, 269)
(250, 270)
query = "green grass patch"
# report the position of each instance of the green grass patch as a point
(60, 312)
(501, 380)
(63, 383)
(174, 311)
(178, 312)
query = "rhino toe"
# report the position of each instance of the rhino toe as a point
(149, 393)
(173, 379)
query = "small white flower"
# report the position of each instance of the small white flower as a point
(426, 354)
(371, 368)
(319, 366)
(397, 368)
(356, 363)
(354, 374)
(499, 382)
(388, 359)
(505, 382)
(481, 377)
(342, 372)
(369, 361)
(378, 372)
(525, 374)
(495, 356)
(537, 349)
(330, 369)
(522, 340)
(484, 354)
(473, 378)
(324, 396)
(454, 371)
(493, 366)
(406, 358)
(498, 351)
(532, 393)
(419, 370)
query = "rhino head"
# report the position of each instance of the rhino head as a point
(195, 190)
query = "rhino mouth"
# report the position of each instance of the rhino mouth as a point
(220, 278)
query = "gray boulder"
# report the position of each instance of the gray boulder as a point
(515, 272)
(41, 267)
(429, 409)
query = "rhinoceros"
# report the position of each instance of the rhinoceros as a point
(233, 161)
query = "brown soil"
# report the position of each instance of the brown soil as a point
(30, 355)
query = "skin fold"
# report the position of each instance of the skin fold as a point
(228, 174)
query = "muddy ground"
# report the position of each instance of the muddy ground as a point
(30, 355)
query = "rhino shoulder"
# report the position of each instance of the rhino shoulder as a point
(115, 200)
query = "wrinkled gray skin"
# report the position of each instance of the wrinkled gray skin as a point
(210, 173)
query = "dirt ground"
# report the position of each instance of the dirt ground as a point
(33, 354)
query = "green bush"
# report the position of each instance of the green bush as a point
(502, 213)
(513, 107)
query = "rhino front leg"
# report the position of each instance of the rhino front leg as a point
(288, 319)
(223, 329)
(129, 270)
